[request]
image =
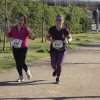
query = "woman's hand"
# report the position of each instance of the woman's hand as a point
(52, 40)
(66, 42)
(5, 30)
(31, 36)
(49, 39)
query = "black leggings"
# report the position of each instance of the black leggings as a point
(20, 56)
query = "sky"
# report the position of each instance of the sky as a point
(72, 0)
(80, 0)
(89, 0)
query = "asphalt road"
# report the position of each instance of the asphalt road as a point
(80, 78)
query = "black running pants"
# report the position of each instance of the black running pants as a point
(20, 56)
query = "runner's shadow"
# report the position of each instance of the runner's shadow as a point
(56, 98)
(14, 83)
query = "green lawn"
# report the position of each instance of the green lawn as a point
(38, 50)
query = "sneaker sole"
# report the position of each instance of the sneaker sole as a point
(29, 77)
(58, 82)
(20, 80)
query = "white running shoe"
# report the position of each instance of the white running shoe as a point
(20, 79)
(29, 76)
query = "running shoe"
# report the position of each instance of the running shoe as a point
(20, 79)
(57, 81)
(54, 73)
(29, 76)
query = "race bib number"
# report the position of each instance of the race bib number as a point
(16, 43)
(58, 44)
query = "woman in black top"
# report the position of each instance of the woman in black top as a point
(59, 37)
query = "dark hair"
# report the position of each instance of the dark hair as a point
(24, 18)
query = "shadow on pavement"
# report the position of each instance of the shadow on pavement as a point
(14, 83)
(79, 63)
(53, 98)
(48, 64)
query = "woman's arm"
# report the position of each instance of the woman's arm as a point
(5, 32)
(48, 38)
(31, 36)
(69, 39)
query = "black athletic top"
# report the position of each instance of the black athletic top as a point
(58, 35)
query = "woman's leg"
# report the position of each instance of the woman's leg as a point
(53, 56)
(16, 57)
(23, 53)
(22, 58)
(60, 59)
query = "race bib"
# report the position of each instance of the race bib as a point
(57, 44)
(16, 43)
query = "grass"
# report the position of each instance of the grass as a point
(38, 50)
(83, 39)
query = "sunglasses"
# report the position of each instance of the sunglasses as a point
(58, 19)
(21, 19)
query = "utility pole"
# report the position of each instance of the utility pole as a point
(43, 20)
(97, 21)
(69, 2)
(55, 2)
(4, 45)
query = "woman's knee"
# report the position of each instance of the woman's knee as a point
(59, 68)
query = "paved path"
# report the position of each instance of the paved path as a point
(80, 79)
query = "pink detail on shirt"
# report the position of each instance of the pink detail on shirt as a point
(22, 35)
